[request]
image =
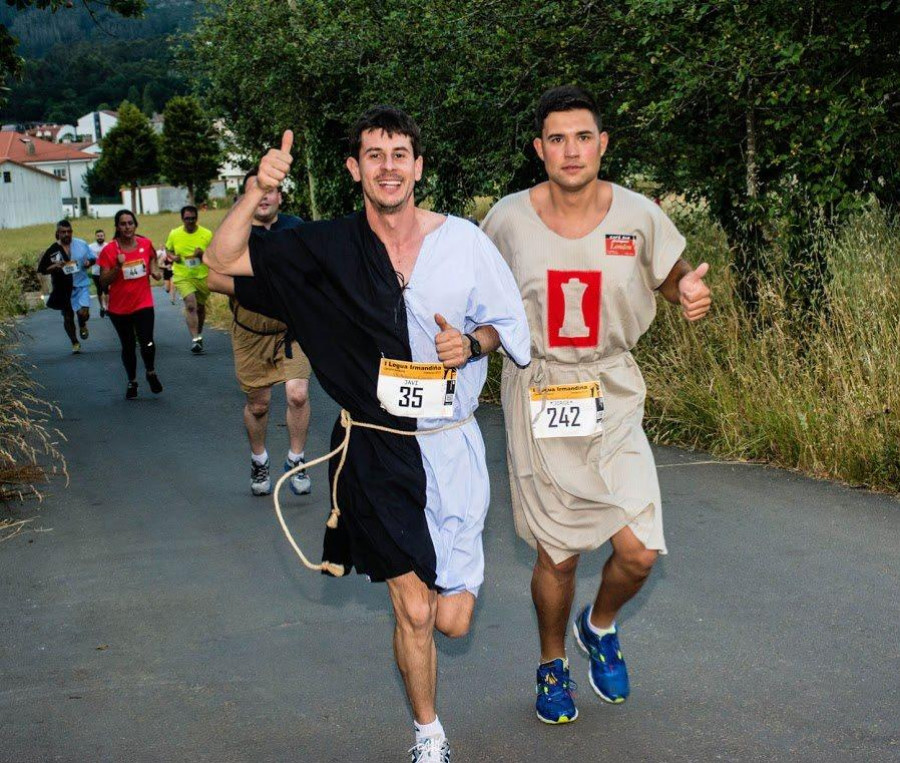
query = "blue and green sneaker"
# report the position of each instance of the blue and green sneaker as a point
(608, 673)
(554, 693)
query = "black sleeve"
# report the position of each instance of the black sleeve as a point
(250, 293)
(44, 262)
(281, 262)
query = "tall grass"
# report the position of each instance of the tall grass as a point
(29, 451)
(815, 392)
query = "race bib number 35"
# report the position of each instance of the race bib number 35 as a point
(416, 390)
(70, 268)
(134, 269)
(566, 410)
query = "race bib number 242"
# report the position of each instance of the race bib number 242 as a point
(566, 410)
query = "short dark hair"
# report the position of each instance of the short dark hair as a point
(392, 121)
(565, 98)
(122, 212)
(252, 174)
(189, 208)
(64, 224)
(99, 230)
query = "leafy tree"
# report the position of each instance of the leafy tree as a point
(771, 113)
(147, 104)
(130, 151)
(190, 154)
(98, 186)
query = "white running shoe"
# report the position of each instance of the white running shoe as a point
(260, 484)
(430, 750)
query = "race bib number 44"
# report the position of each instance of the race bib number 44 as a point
(134, 269)
(566, 410)
(416, 390)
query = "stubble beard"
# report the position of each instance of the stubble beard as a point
(389, 209)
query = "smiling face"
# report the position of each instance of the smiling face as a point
(571, 147)
(387, 169)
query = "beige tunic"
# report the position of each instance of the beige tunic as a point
(588, 302)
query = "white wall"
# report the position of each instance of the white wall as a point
(106, 210)
(78, 169)
(29, 198)
(155, 199)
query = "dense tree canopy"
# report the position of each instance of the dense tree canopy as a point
(770, 111)
(88, 54)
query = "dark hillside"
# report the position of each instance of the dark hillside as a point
(75, 64)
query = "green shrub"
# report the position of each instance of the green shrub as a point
(819, 392)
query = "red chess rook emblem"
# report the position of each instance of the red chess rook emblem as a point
(573, 308)
(621, 244)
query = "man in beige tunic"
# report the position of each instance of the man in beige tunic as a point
(589, 257)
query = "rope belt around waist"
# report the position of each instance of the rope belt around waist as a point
(348, 423)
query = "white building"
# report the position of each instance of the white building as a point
(59, 159)
(28, 196)
(95, 125)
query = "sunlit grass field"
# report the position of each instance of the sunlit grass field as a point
(30, 242)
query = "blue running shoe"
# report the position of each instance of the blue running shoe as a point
(608, 674)
(554, 693)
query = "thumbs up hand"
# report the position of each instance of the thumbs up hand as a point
(694, 294)
(452, 347)
(276, 164)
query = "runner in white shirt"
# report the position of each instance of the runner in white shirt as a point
(102, 291)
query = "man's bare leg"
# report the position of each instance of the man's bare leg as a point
(201, 317)
(256, 418)
(552, 591)
(454, 614)
(69, 326)
(415, 608)
(297, 393)
(190, 315)
(624, 574)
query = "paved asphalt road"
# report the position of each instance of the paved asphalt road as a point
(163, 617)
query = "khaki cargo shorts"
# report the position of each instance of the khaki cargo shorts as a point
(259, 359)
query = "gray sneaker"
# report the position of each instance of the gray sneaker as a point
(301, 484)
(430, 750)
(260, 484)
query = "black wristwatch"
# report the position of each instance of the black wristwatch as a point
(475, 347)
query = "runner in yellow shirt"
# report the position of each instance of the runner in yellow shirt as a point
(185, 246)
